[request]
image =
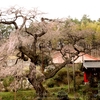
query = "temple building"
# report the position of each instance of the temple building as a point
(91, 70)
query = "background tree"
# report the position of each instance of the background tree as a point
(5, 30)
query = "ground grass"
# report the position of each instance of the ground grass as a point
(19, 95)
(30, 94)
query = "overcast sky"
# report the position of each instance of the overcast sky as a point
(59, 8)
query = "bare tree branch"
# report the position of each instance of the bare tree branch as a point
(10, 22)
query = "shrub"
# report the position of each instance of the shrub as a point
(57, 78)
(50, 83)
(62, 72)
(61, 77)
(62, 95)
(7, 81)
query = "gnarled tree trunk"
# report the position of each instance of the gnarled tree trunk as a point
(36, 83)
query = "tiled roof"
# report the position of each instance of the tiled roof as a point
(83, 57)
(57, 57)
(91, 63)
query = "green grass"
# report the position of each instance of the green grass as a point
(30, 94)
(19, 95)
